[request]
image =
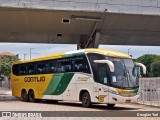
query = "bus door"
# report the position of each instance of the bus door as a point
(101, 85)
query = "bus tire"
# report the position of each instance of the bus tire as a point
(24, 96)
(31, 96)
(86, 100)
(110, 105)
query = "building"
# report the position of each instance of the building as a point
(7, 54)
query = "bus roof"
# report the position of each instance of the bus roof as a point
(109, 53)
(77, 53)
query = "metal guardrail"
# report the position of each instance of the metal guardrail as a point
(150, 91)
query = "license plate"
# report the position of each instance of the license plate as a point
(128, 101)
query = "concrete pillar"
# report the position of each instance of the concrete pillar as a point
(86, 42)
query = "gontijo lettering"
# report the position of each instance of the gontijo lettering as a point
(34, 79)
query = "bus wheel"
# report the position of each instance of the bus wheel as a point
(110, 105)
(86, 100)
(31, 96)
(24, 96)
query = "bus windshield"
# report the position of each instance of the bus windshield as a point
(123, 76)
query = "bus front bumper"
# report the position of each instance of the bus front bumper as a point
(113, 99)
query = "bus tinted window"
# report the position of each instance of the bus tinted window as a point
(31, 69)
(71, 64)
(15, 69)
(64, 65)
(81, 65)
(41, 68)
(22, 70)
(51, 66)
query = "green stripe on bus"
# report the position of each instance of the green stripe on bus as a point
(58, 84)
(63, 83)
(53, 83)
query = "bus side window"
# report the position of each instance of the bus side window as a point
(53, 69)
(75, 68)
(15, 69)
(65, 65)
(31, 69)
(81, 65)
(22, 70)
(47, 67)
(41, 68)
(80, 68)
(60, 69)
(52, 66)
(68, 68)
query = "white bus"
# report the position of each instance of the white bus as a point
(89, 76)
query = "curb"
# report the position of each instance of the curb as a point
(7, 97)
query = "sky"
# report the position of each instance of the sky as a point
(38, 50)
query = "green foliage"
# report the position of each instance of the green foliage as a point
(147, 60)
(155, 69)
(5, 64)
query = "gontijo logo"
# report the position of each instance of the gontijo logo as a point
(34, 79)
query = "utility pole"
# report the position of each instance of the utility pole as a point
(24, 56)
(31, 53)
(128, 50)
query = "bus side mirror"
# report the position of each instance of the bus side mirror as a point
(110, 64)
(142, 66)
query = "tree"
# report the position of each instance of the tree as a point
(147, 60)
(5, 65)
(155, 69)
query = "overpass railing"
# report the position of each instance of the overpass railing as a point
(150, 91)
(118, 6)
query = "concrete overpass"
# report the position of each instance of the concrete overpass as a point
(82, 22)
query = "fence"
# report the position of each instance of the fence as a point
(150, 91)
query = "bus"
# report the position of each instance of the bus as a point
(90, 76)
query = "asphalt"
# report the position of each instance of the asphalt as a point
(6, 94)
